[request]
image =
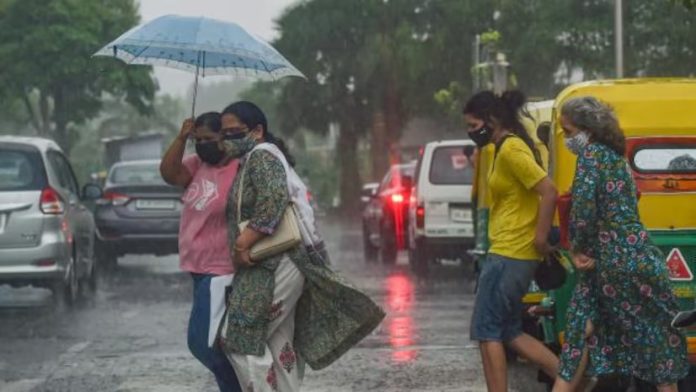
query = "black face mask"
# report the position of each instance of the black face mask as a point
(481, 136)
(209, 152)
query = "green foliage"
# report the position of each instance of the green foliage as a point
(45, 54)
(409, 58)
(690, 4)
(118, 118)
(451, 100)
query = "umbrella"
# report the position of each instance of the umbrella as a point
(201, 45)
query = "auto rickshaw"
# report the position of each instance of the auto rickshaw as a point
(657, 117)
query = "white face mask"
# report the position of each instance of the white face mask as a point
(577, 143)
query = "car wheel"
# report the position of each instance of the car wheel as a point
(419, 261)
(388, 248)
(104, 256)
(369, 250)
(92, 279)
(66, 291)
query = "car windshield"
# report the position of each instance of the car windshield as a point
(20, 170)
(451, 166)
(677, 159)
(136, 174)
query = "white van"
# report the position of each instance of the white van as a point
(441, 224)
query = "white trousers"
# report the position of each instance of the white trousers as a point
(280, 369)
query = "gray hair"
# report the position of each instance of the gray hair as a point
(597, 119)
(588, 113)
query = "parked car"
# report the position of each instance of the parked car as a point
(139, 213)
(385, 218)
(441, 224)
(46, 232)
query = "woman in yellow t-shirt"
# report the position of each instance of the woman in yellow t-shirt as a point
(523, 200)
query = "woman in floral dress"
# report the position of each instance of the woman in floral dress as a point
(620, 313)
(289, 309)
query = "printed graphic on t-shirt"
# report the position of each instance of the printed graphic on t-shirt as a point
(201, 198)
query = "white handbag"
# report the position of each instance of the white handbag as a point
(286, 236)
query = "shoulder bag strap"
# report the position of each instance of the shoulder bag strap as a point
(241, 187)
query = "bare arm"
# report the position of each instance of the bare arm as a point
(172, 169)
(547, 206)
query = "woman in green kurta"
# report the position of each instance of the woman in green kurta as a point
(620, 313)
(291, 308)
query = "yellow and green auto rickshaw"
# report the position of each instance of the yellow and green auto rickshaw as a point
(657, 117)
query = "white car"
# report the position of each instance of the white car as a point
(441, 224)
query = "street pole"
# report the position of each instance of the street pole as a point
(618, 32)
(476, 61)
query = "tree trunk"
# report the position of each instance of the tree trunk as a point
(350, 177)
(378, 145)
(45, 112)
(33, 119)
(60, 115)
(392, 117)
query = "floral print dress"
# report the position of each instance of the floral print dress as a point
(289, 309)
(627, 296)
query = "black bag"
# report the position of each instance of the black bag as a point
(550, 274)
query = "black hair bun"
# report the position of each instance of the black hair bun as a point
(514, 99)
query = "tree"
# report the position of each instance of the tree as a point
(45, 54)
(690, 4)
(325, 51)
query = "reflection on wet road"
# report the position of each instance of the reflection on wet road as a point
(399, 302)
(132, 335)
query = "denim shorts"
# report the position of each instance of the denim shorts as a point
(502, 284)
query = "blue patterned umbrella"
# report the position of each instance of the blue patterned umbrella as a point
(201, 45)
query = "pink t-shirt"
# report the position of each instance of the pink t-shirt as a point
(203, 247)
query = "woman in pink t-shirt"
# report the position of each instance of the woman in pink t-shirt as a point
(203, 248)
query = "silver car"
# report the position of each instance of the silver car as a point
(46, 232)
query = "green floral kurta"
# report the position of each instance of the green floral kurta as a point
(627, 296)
(331, 316)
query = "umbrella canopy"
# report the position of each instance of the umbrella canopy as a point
(211, 46)
(201, 45)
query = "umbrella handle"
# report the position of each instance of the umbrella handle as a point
(195, 87)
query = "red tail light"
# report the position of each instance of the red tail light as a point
(113, 198)
(51, 203)
(420, 217)
(45, 263)
(397, 198)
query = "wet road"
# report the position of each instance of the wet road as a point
(131, 337)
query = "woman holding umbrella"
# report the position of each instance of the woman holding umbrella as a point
(203, 250)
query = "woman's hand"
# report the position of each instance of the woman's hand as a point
(583, 262)
(242, 247)
(186, 129)
(242, 256)
(543, 247)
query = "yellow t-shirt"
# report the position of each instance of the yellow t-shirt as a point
(514, 204)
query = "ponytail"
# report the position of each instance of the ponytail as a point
(507, 109)
(282, 146)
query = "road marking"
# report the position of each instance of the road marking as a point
(131, 314)
(77, 348)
